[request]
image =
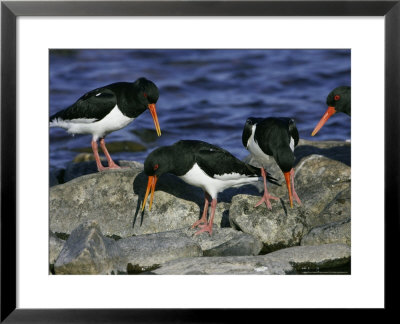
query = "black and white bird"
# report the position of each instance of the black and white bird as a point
(202, 165)
(338, 100)
(277, 137)
(107, 109)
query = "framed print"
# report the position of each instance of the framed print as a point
(226, 60)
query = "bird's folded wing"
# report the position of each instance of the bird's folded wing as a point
(94, 105)
(218, 162)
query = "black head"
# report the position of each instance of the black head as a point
(250, 122)
(147, 96)
(284, 157)
(158, 162)
(147, 91)
(340, 99)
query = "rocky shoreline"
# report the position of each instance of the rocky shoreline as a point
(97, 226)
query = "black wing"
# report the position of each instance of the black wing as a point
(217, 161)
(95, 104)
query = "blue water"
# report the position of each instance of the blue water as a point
(204, 94)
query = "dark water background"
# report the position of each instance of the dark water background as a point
(204, 94)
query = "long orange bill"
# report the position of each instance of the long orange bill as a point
(152, 108)
(150, 184)
(329, 112)
(287, 178)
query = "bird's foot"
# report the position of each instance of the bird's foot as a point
(111, 166)
(199, 222)
(296, 197)
(205, 228)
(265, 198)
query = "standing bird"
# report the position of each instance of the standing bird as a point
(338, 100)
(275, 137)
(107, 109)
(202, 165)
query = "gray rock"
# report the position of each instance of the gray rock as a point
(229, 265)
(318, 181)
(114, 198)
(87, 251)
(148, 251)
(106, 197)
(337, 232)
(55, 247)
(339, 209)
(226, 242)
(276, 228)
(314, 257)
(285, 261)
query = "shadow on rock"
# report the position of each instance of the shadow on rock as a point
(338, 153)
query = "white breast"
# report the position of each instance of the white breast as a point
(115, 120)
(197, 177)
(292, 144)
(254, 149)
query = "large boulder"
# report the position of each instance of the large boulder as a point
(276, 228)
(336, 232)
(113, 198)
(286, 261)
(88, 251)
(319, 182)
(228, 265)
(145, 252)
(226, 242)
(314, 257)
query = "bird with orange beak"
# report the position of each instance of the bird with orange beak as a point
(338, 100)
(106, 109)
(277, 137)
(202, 165)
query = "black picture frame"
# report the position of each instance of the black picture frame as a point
(10, 10)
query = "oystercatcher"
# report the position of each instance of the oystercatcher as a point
(338, 100)
(107, 109)
(202, 165)
(275, 137)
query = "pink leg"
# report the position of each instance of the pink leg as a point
(295, 196)
(208, 227)
(97, 157)
(266, 197)
(203, 219)
(111, 164)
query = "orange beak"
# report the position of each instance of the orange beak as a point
(329, 112)
(152, 108)
(150, 184)
(287, 178)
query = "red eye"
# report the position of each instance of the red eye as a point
(155, 167)
(337, 97)
(145, 94)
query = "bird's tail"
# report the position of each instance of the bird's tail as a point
(257, 171)
(55, 118)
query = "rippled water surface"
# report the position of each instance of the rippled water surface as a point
(204, 94)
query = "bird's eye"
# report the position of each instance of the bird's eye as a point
(145, 94)
(155, 167)
(337, 97)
